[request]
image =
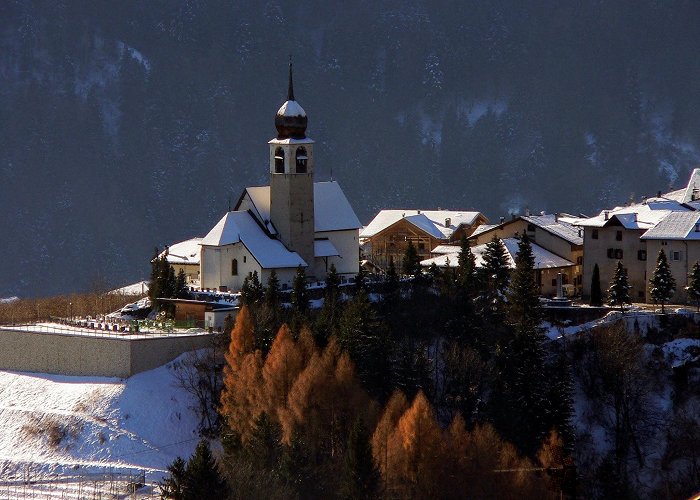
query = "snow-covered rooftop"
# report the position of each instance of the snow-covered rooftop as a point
(676, 226)
(184, 252)
(544, 259)
(235, 227)
(332, 210)
(483, 228)
(643, 215)
(291, 108)
(557, 226)
(446, 249)
(438, 223)
(325, 248)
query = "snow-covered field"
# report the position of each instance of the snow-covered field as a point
(64, 426)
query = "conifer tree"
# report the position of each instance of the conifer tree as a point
(391, 283)
(361, 281)
(619, 290)
(300, 294)
(361, 477)
(272, 292)
(252, 291)
(173, 485)
(496, 273)
(328, 320)
(466, 267)
(384, 455)
(524, 307)
(203, 479)
(693, 287)
(662, 285)
(596, 294)
(181, 285)
(282, 366)
(411, 261)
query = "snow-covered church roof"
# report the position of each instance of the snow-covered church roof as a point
(235, 227)
(332, 210)
(183, 252)
(438, 223)
(544, 259)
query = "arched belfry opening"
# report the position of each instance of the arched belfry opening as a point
(301, 159)
(279, 161)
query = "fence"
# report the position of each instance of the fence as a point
(107, 484)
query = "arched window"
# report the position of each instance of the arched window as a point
(301, 160)
(279, 161)
(234, 267)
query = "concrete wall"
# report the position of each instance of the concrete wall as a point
(91, 356)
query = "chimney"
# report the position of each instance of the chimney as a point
(418, 212)
(503, 219)
(634, 217)
(697, 227)
(556, 217)
(606, 215)
(658, 194)
(527, 212)
(579, 232)
(447, 222)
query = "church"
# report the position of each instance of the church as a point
(290, 223)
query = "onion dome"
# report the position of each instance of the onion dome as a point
(290, 120)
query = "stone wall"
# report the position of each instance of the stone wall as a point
(91, 355)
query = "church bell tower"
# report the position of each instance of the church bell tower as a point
(291, 179)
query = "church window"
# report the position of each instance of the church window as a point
(279, 161)
(301, 160)
(234, 267)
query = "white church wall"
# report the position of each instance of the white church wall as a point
(209, 267)
(284, 275)
(347, 244)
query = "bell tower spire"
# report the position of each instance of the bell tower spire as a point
(290, 89)
(291, 178)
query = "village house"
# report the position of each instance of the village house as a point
(547, 264)
(387, 236)
(617, 235)
(678, 235)
(184, 256)
(554, 233)
(292, 222)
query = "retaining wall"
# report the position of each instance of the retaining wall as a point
(66, 354)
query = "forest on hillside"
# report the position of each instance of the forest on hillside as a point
(438, 385)
(129, 125)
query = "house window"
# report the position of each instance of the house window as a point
(530, 228)
(234, 267)
(618, 253)
(421, 246)
(554, 282)
(676, 255)
(301, 160)
(579, 260)
(664, 243)
(279, 161)
(642, 254)
(594, 234)
(618, 235)
(611, 253)
(244, 259)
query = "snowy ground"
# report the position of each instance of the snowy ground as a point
(58, 426)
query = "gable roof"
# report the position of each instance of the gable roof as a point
(332, 210)
(235, 227)
(432, 222)
(556, 226)
(643, 215)
(184, 252)
(544, 259)
(675, 226)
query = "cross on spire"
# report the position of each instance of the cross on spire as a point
(290, 91)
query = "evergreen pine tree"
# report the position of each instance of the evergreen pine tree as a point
(391, 283)
(181, 285)
(496, 273)
(466, 267)
(300, 295)
(272, 292)
(365, 337)
(596, 293)
(252, 291)
(173, 485)
(524, 307)
(662, 284)
(361, 477)
(619, 290)
(693, 287)
(328, 319)
(411, 261)
(203, 479)
(361, 281)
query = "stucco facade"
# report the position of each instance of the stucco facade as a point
(681, 256)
